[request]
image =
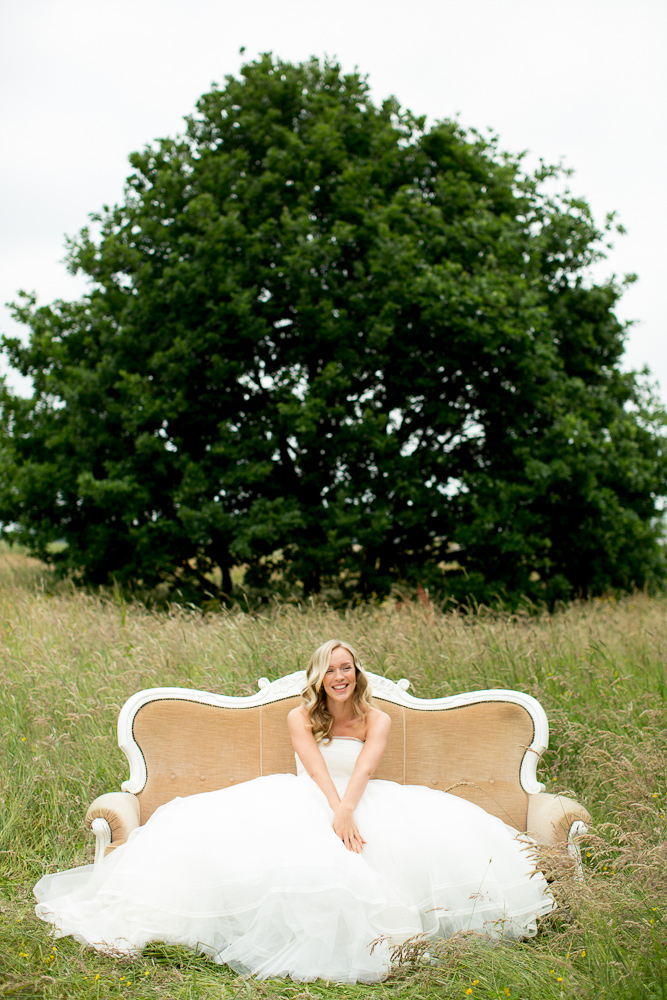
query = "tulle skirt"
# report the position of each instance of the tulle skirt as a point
(255, 877)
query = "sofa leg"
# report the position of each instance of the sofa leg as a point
(577, 829)
(102, 832)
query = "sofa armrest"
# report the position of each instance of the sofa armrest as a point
(112, 818)
(554, 820)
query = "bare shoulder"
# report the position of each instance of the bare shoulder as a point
(377, 720)
(297, 717)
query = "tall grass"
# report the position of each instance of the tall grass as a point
(69, 660)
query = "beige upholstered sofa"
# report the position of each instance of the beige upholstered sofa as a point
(484, 746)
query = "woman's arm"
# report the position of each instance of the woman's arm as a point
(306, 747)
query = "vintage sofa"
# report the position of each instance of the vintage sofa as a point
(484, 746)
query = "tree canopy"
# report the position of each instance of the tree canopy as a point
(342, 350)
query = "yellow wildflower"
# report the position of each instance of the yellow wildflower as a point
(468, 991)
(583, 954)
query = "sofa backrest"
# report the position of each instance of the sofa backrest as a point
(483, 746)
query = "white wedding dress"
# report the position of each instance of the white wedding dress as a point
(255, 877)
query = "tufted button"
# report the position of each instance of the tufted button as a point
(232, 779)
(172, 776)
(435, 781)
(202, 777)
(492, 781)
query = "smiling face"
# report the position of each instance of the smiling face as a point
(340, 677)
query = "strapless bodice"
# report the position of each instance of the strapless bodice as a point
(340, 756)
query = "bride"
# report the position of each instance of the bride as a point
(314, 876)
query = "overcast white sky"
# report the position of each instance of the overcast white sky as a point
(85, 82)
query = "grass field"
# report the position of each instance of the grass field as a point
(69, 660)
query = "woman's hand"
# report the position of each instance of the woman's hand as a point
(345, 828)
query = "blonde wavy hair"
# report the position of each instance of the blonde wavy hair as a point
(314, 696)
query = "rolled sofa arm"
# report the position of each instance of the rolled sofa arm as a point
(555, 821)
(551, 819)
(112, 818)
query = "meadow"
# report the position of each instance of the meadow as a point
(68, 661)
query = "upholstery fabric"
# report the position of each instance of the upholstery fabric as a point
(474, 751)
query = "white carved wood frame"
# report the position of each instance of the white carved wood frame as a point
(292, 684)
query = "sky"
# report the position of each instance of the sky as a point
(83, 83)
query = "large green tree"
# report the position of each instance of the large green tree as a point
(340, 348)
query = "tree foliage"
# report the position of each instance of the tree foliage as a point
(341, 349)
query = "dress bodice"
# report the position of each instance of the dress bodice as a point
(340, 756)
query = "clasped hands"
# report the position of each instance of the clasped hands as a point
(345, 828)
